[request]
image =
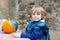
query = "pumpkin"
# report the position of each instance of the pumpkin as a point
(9, 27)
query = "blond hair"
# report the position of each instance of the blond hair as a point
(38, 9)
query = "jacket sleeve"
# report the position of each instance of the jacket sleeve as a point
(36, 33)
(45, 29)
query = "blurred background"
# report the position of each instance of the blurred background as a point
(19, 10)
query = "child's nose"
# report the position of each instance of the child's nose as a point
(35, 15)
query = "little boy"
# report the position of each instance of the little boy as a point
(37, 29)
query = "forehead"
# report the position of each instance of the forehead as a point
(36, 11)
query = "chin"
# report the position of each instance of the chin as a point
(36, 20)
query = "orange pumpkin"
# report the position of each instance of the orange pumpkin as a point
(8, 28)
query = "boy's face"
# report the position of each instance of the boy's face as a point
(36, 16)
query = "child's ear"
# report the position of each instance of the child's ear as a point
(42, 14)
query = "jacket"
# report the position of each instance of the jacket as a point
(37, 30)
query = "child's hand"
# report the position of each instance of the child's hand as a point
(16, 35)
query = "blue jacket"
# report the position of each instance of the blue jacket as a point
(37, 30)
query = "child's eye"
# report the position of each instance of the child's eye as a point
(38, 13)
(33, 13)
